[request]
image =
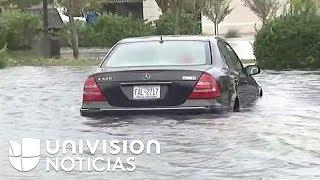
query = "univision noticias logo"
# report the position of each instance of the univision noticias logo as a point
(71, 155)
(25, 155)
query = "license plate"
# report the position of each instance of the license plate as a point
(146, 92)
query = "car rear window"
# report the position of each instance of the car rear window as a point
(154, 53)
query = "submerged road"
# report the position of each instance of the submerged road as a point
(278, 138)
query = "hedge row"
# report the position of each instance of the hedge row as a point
(3, 58)
(109, 28)
(289, 42)
(18, 30)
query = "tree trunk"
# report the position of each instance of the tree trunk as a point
(215, 29)
(46, 41)
(197, 15)
(45, 18)
(74, 36)
(178, 10)
(264, 20)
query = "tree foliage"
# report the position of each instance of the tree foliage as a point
(166, 23)
(75, 8)
(172, 5)
(110, 28)
(264, 9)
(216, 11)
(18, 30)
(19, 3)
(164, 5)
(303, 7)
(178, 9)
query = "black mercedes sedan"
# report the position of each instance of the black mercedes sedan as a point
(170, 73)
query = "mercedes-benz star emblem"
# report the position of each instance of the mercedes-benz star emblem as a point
(146, 76)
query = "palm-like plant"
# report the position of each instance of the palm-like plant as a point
(216, 11)
(264, 9)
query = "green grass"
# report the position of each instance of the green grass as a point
(27, 58)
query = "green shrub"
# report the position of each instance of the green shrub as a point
(232, 33)
(83, 34)
(18, 30)
(109, 29)
(165, 25)
(64, 35)
(3, 36)
(3, 58)
(86, 35)
(289, 41)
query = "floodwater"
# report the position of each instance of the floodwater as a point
(278, 138)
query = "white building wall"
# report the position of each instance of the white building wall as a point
(151, 11)
(241, 19)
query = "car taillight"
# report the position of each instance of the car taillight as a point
(91, 91)
(206, 88)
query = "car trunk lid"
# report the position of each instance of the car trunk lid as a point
(122, 86)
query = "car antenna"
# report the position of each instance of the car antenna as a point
(161, 40)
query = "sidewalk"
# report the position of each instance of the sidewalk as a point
(85, 53)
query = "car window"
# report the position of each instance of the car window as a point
(233, 61)
(234, 58)
(225, 55)
(154, 53)
(243, 48)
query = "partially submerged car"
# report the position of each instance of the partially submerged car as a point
(170, 73)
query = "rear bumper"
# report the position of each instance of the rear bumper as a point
(189, 107)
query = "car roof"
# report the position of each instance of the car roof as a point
(169, 38)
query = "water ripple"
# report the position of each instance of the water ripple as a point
(278, 138)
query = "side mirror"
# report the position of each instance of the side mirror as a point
(253, 70)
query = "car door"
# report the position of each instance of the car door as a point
(236, 73)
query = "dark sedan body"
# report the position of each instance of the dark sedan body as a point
(171, 73)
